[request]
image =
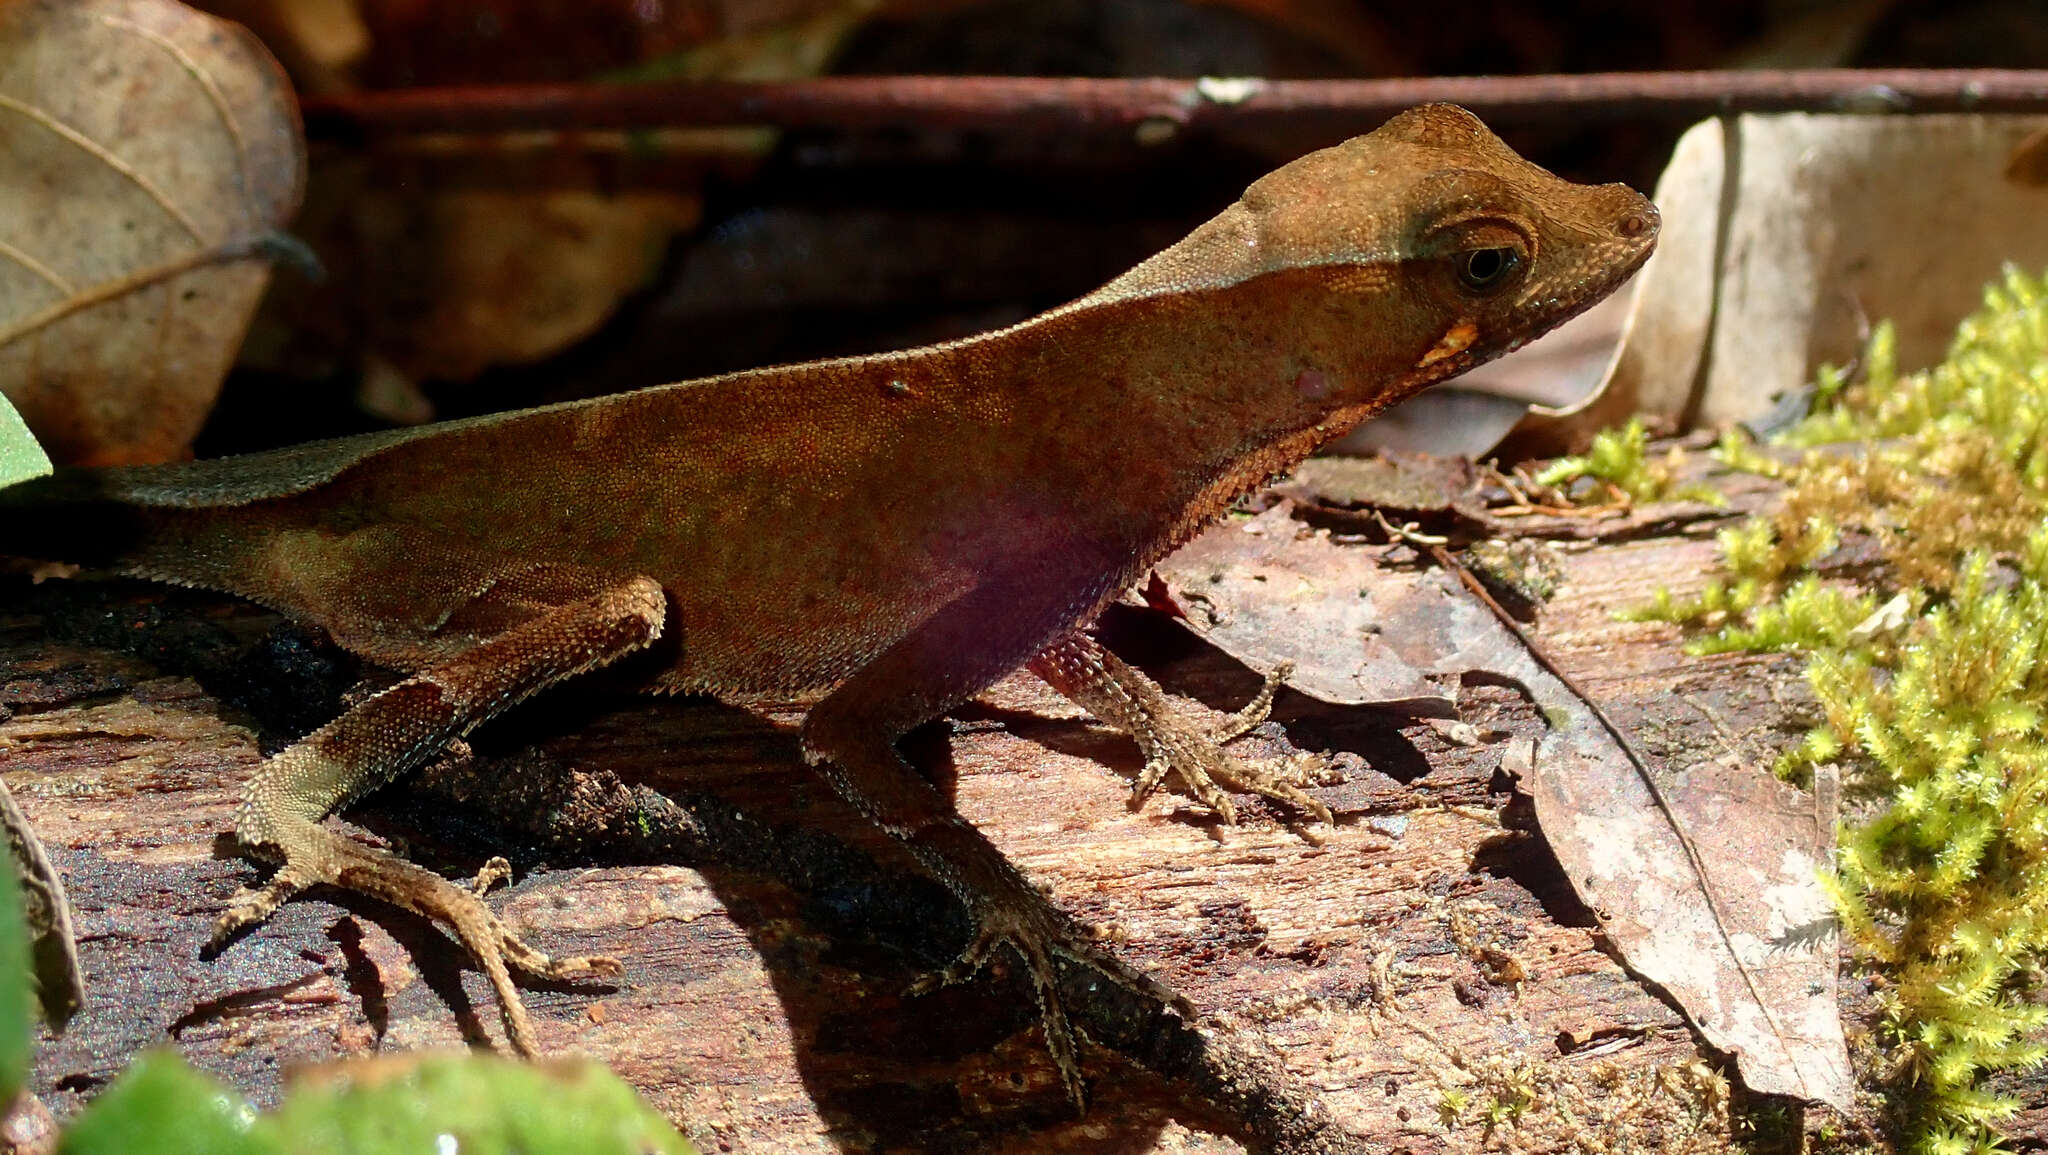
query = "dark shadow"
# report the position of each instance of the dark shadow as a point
(1525, 859)
(359, 974)
(741, 809)
(1188, 666)
(725, 792)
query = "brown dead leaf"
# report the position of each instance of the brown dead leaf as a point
(452, 255)
(147, 151)
(1704, 881)
(507, 276)
(1263, 591)
(320, 42)
(2028, 164)
(1400, 485)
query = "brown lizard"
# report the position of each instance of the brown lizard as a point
(895, 532)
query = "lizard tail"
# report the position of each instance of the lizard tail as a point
(73, 516)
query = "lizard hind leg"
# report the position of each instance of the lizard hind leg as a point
(851, 738)
(1106, 686)
(1006, 909)
(385, 735)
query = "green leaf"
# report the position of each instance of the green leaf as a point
(164, 1107)
(15, 986)
(406, 1105)
(20, 457)
(475, 1104)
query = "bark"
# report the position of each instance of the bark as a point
(1417, 957)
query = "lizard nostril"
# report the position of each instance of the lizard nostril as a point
(1636, 224)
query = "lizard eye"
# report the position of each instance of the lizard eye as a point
(1487, 270)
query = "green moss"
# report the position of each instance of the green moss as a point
(1621, 459)
(1913, 573)
(1516, 1103)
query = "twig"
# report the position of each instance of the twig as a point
(1070, 104)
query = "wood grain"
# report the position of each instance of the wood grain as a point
(769, 932)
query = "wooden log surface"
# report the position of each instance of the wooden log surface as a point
(1398, 968)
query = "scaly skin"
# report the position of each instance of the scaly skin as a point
(895, 531)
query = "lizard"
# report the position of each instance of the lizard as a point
(888, 533)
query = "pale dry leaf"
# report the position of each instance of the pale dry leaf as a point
(146, 152)
(1785, 236)
(1470, 415)
(1715, 899)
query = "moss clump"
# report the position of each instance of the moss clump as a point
(1912, 569)
(1621, 459)
(1518, 1105)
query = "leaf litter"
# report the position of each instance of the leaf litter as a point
(1704, 877)
(148, 156)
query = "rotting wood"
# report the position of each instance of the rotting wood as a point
(769, 933)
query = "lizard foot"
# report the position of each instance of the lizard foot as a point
(1198, 758)
(1040, 934)
(318, 856)
(1079, 667)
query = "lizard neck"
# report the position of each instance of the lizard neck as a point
(1163, 410)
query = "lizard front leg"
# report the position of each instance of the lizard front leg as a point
(851, 736)
(1103, 684)
(282, 808)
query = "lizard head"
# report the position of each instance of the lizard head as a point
(1485, 250)
(1406, 256)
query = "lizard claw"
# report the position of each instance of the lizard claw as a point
(253, 906)
(323, 858)
(1039, 936)
(493, 872)
(1079, 667)
(1198, 757)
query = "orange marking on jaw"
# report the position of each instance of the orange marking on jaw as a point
(1454, 341)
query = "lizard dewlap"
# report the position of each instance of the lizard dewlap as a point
(892, 532)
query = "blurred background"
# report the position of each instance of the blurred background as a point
(473, 272)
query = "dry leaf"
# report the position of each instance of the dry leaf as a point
(481, 277)
(320, 42)
(147, 151)
(1784, 235)
(1469, 416)
(1264, 591)
(452, 255)
(1735, 926)
(2028, 164)
(1728, 916)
